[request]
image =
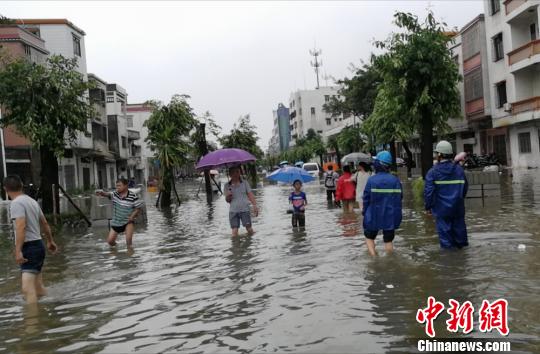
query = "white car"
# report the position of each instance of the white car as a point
(312, 168)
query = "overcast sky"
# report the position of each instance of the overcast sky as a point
(232, 58)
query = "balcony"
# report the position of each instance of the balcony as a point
(511, 5)
(529, 104)
(133, 135)
(528, 52)
(473, 108)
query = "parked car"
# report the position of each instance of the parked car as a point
(312, 168)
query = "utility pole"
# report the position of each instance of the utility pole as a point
(316, 64)
(204, 151)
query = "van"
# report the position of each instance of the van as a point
(312, 168)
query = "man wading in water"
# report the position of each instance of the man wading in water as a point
(126, 207)
(28, 222)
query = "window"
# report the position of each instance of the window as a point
(456, 60)
(129, 121)
(27, 50)
(495, 6)
(124, 142)
(524, 140)
(474, 88)
(501, 94)
(300, 111)
(532, 28)
(312, 110)
(110, 99)
(328, 121)
(76, 45)
(326, 98)
(471, 42)
(498, 50)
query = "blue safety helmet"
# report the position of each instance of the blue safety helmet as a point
(385, 157)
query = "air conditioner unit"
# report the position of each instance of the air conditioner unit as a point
(507, 107)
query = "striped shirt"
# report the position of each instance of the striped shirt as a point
(123, 207)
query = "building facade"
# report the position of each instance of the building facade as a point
(18, 156)
(514, 70)
(306, 109)
(145, 168)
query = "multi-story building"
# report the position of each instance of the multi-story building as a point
(104, 160)
(306, 112)
(76, 168)
(514, 70)
(20, 157)
(145, 166)
(471, 130)
(281, 130)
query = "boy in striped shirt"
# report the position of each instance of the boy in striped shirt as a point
(126, 207)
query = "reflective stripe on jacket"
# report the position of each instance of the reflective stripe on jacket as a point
(382, 202)
(445, 190)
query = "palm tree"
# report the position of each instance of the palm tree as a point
(168, 132)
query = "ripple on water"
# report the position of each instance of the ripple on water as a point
(189, 287)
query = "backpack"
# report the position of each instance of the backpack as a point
(329, 181)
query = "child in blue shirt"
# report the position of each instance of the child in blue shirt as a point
(299, 201)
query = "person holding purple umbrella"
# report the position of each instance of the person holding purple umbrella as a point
(238, 194)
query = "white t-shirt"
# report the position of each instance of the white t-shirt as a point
(361, 180)
(25, 207)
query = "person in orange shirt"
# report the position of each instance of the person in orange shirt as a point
(346, 190)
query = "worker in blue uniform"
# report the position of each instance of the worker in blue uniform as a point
(444, 197)
(382, 204)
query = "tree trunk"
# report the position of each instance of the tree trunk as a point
(252, 174)
(49, 176)
(409, 158)
(393, 152)
(338, 155)
(166, 189)
(426, 137)
(322, 160)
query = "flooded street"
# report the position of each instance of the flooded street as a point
(189, 287)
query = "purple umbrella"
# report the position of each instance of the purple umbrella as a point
(223, 158)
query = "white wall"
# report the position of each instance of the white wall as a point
(524, 160)
(59, 40)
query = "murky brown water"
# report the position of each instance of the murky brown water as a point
(189, 287)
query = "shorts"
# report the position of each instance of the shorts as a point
(34, 252)
(236, 217)
(298, 219)
(120, 229)
(388, 235)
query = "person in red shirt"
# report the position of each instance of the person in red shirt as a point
(346, 190)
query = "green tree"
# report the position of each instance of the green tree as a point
(349, 139)
(243, 136)
(357, 93)
(6, 21)
(419, 80)
(47, 105)
(169, 127)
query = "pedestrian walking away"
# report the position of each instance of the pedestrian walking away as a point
(330, 178)
(346, 191)
(382, 200)
(126, 208)
(238, 194)
(360, 179)
(29, 221)
(444, 196)
(298, 202)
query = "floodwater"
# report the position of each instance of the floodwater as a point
(189, 287)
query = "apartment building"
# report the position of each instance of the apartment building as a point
(307, 112)
(514, 70)
(144, 162)
(18, 156)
